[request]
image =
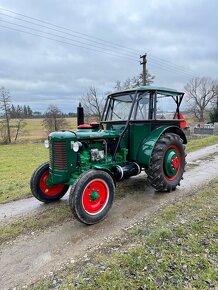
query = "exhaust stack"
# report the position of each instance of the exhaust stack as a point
(80, 115)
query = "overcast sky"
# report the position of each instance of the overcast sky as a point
(180, 38)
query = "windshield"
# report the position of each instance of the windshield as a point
(166, 107)
(119, 107)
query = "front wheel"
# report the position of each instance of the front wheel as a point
(167, 163)
(39, 186)
(92, 196)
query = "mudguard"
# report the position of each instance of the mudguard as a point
(148, 144)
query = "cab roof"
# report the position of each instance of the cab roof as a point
(160, 90)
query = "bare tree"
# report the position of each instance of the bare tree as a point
(19, 125)
(54, 119)
(92, 104)
(134, 82)
(215, 89)
(214, 112)
(200, 95)
(5, 108)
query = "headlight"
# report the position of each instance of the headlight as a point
(75, 146)
(46, 143)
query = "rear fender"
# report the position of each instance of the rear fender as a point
(148, 144)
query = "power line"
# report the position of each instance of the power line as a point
(161, 63)
(172, 69)
(164, 62)
(68, 43)
(95, 50)
(63, 37)
(65, 28)
(57, 30)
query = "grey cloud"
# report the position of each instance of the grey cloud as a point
(41, 71)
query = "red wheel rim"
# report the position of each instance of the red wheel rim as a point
(49, 191)
(95, 196)
(175, 162)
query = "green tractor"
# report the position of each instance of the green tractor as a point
(140, 130)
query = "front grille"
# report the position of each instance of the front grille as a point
(50, 154)
(59, 155)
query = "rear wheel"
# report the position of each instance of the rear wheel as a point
(92, 196)
(39, 186)
(167, 163)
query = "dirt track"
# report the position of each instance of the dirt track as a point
(31, 257)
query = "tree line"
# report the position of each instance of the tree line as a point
(25, 112)
(18, 111)
(201, 96)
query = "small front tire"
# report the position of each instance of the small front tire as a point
(91, 196)
(40, 189)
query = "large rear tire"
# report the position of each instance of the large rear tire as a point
(167, 163)
(91, 196)
(40, 189)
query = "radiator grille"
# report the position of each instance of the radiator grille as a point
(50, 154)
(59, 155)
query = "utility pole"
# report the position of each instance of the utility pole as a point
(144, 62)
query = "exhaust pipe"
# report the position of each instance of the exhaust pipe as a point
(125, 171)
(80, 115)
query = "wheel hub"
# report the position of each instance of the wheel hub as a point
(94, 195)
(175, 163)
(172, 162)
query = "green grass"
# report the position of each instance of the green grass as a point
(47, 218)
(174, 249)
(198, 143)
(17, 163)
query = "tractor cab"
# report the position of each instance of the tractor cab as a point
(137, 113)
(143, 104)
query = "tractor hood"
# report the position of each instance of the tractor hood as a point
(86, 134)
(83, 134)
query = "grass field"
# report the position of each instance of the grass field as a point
(174, 249)
(34, 130)
(195, 144)
(18, 161)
